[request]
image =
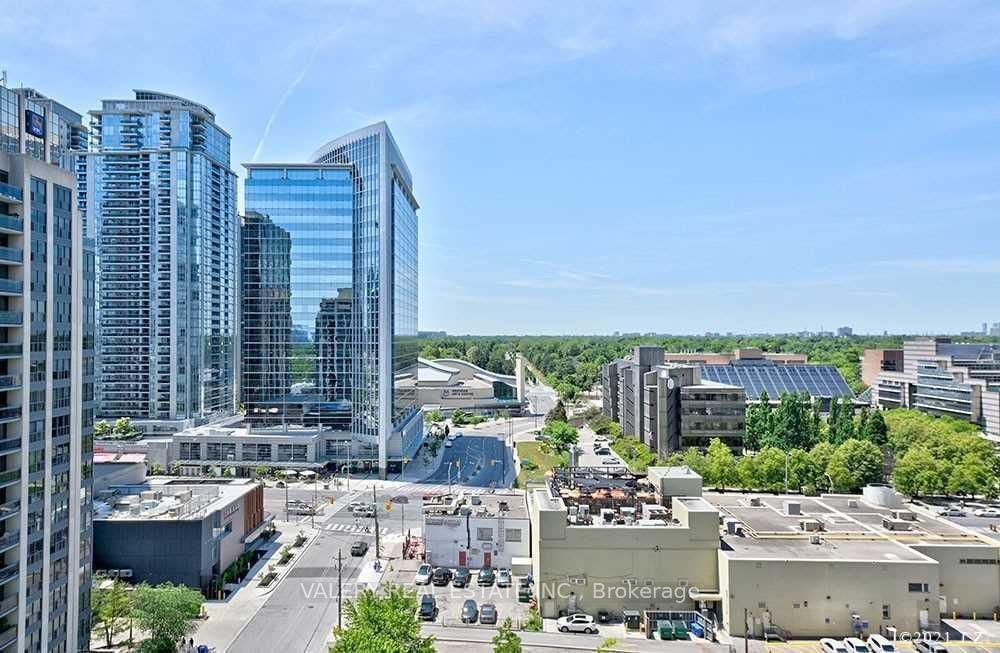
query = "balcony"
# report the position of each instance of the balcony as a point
(9, 636)
(11, 318)
(10, 193)
(11, 255)
(11, 224)
(11, 287)
(10, 509)
(9, 478)
(10, 382)
(8, 605)
(9, 540)
(9, 572)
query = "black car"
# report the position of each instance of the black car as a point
(488, 614)
(470, 613)
(428, 607)
(441, 576)
(486, 576)
(359, 548)
(461, 577)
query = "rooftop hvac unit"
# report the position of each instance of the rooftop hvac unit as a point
(852, 503)
(793, 508)
(815, 539)
(755, 502)
(732, 525)
(907, 515)
(890, 524)
(476, 500)
(810, 525)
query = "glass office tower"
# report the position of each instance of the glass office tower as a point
(161, 198)
(46, 379)
(352, 223)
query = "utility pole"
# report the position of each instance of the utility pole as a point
(340, 584)
(378, 553)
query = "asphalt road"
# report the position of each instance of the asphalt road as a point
(302, 610)
(475, 460)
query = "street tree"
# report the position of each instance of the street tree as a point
(385, 623)
(111, 607)
(557, 414)
(561, 436)
(720, 465)
(855, 463)
(167, 612)
(506, 640)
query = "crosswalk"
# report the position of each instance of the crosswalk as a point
(353, 528)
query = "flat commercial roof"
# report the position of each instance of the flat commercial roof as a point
(841, 515)
(795, 550)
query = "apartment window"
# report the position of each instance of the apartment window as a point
(512, 534)
(917, 588)
(484, 534)
(886, 614)
(190, 451)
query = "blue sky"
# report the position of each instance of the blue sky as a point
(588, 167)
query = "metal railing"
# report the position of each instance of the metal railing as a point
(8, 381)
(11, 318)
(10, 476)
(12, 285)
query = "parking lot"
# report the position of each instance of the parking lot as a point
(587, 456)
(450, 599)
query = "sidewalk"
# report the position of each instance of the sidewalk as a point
(227, 618)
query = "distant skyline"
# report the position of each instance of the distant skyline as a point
(657, 167)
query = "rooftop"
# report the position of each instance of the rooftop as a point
(511, 504)
(169, 499)
(877, 550)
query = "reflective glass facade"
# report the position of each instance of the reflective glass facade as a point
(298, 310)
(162, 202)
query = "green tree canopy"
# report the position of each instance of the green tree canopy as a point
(506, 640)
(382, 624)
(720, 465)
(561, 435)
(855, 463)
(167, 612)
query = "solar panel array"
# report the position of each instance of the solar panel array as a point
(817, 380)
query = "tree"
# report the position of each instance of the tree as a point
(561, 435)
(820, 456)
(720, 465)
(801, 470)
(771, 469)
(791, 424)
(506, 640)
(758, 423)
(749, 476)
(123, 427)
(970, 476)
(694, 460)
(111, 608)
(918, 473)
(557, 414)
(841, 420)
(382, 624)
(167, 612)
(434, 416)
(878, 431)
(607, 645)
(534, 621)
(855, 463)
(102, 429)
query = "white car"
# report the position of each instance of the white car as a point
(952, 511)
(830, 645)
(987, 512)
(855, 645)
(423, 576)
(577, 623)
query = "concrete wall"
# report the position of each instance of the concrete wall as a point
(446, 537)
(816, 598)
(970, 578)
(108, 474)
(622, 567)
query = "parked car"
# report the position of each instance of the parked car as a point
(441, 576)
(952, 511)
(830, 645)
(992, 513)
(488, 614)
(423, 576)
(428, 608)
(503, 578)
(470, 613)
(879, 644)
(609, 461)
(486, 576)
(359, 548)
(577, 623)
(928, 646)
(855, 645)
(461, 577)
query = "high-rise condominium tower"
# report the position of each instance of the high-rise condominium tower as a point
(46, 379)
(330, 298)
(161, 199)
